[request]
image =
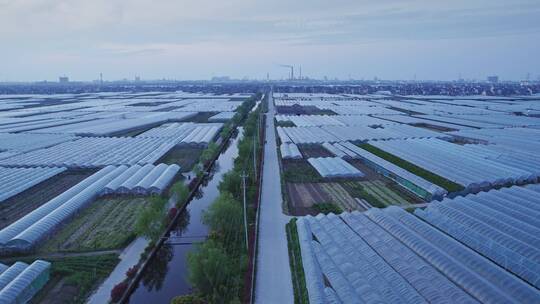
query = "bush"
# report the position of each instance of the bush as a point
(130, 273)
(118, 291)
(172, 213)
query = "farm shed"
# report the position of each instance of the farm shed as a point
(330, 167)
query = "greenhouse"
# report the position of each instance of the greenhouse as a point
(290, 151)
(332, 167)
(16, 180)
(22, 288)
(501, 224)
(392, 256)
(471, 168)
(28, 230)
(406, 179)
(137, 180)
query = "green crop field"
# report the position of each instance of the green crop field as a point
(105, 224)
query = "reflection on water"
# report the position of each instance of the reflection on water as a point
(166, 275)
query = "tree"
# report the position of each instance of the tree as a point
(181, 191)
(214, 273)
(150, 223)
(231, 183)
(225, 218)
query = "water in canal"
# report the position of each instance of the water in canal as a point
(166, 275)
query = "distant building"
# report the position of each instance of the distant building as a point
(221, 78)
(63, 79)
(493, 79)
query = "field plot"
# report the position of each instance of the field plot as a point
(304, 195)
(201, 117)
(314, 151)
(377, 193)
(105, 224)
(303, 110)
(300, 171)
(340, 196)
(19, 205)
(185, 157)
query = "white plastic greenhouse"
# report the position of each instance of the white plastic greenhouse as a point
(26, 284)
(331, 167)
(408, 180)
(391, 256)
(16, 180)
(290, 151)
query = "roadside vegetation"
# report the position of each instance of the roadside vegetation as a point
(425, 174)
(295, 262)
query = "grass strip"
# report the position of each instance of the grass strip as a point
(295, 261)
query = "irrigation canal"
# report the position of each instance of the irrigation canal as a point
(166, 275)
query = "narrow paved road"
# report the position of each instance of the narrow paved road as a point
(273, 283)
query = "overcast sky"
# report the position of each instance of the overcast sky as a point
(179, 39)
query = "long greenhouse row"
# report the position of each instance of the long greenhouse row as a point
(142, 180)
(307, 135)
(15, 180)
(89, 152)
(41, 222)
(410, 181)
(20, 282)
(479, 248)
(331, 120)
(24, 142)
(470, 167)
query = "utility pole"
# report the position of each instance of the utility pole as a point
(245, 213)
